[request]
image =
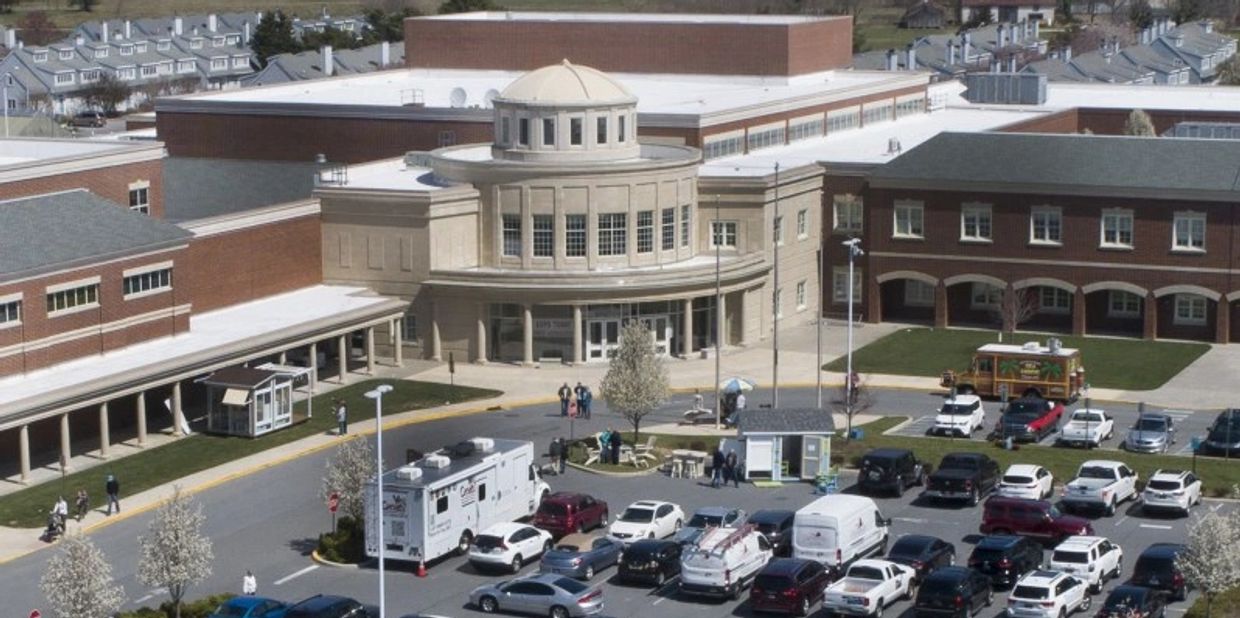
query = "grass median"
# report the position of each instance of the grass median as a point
(166, 463)
(1128, 364)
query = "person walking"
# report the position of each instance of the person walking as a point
(565, 394)
(730, 468)
(580, 392)
(617, 441)
(586, 401)
(556, 452)
(563, 453)
(249, 584)
(604, 446)
(113, 488)
(342, 418)
(574, 408)
(82, 504)
(717, 461)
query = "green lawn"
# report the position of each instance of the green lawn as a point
(28, 507)
(1129, 364)
(884, 36)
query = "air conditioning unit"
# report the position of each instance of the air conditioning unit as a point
(483, 445)
(436, 461)
(1031, 346)
(408, 473)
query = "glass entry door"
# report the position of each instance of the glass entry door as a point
(602, 337)
(661, 332)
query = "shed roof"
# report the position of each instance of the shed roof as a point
(240, 377)
(786, 421)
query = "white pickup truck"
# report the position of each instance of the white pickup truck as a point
(1087, 427)
(868, 587)
(1100, 484)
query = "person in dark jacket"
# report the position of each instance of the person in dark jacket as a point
(563, 453)
(587, 399)
(556, 452)
(730, 469)
(113, 489)
(565, 394)
(717, 461)
(617, 441)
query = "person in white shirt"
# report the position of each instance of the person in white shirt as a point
(249, 584)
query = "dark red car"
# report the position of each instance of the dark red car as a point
(563, 513)
(1032, 518)
(789, 586)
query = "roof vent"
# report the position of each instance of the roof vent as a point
(1031, 346)
(458, 97)
(408, 473)
(894, 147)
(1054, 344)
(483, 445)
(436, 461)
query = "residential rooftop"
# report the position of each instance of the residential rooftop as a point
(1184, 97)
(663, 18)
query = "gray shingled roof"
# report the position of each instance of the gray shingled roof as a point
(59, 229)
(1070, 164)
(786, 421)
(197, 188)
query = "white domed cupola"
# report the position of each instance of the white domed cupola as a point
(565, 112)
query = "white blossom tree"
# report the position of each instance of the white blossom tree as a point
(348, 471)
(78, 582)
(637, 380)
(175, 552)
(1139, 124)
(1211, 563)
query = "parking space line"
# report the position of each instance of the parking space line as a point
(288, 578)
(1216, 507)
(1121, 520)
(911, 520)
(1157, 527)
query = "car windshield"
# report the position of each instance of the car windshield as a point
(638, 516)
(700, 520)
(773, 583)
(985, 554)
(1153, 566)
(956, 409)
(767, 528)
(567, 548)
(1053, 511)
(865, 572)
(911, 548)
(1096, 472)
(554, 509)
(1031, 592)
(227, 610)
(1019, 418)
(1151, 424)
(570, 585)
(1088, 417)
(873, 462)
(959, 463)
(1074, 557)
(1014, 479)
(1163, 485)
(1031, 407)
(488, 541)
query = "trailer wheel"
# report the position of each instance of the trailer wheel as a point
(488, 604)
(559, 612)
(462, 546)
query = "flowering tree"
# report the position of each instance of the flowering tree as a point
(175, 553)
(348, 471)
(1139, 124)
(78, 581)
(1211, 563)
(637, 381)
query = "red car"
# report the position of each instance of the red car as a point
(1032, 518)
(563, 513)
(1029, 419)
(789, 585)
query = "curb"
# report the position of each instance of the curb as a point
(646, 472)
(314, 555)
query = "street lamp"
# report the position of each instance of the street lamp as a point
(854, 252)
(818, 332)
(4, 100)
(717, 228)
(777, 234)
(377, 395)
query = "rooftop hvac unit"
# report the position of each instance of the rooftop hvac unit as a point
(436, 461)
(1031, 346)
(483, 445)
(408, 473)
(1054, 344)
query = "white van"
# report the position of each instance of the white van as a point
(836, 530)
(723, 561)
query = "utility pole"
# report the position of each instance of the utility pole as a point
(854, 251)
(818, 333)
(777, 232)
(717, 228)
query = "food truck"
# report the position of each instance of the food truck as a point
(1050, 371)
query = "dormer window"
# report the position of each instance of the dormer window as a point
(66, 54)
(126, 50)
(141, 47)
(163, 45)
(195, 44)
(217, 41)
(101, 52)
(40, 56)
(505, 133)
(233, 39)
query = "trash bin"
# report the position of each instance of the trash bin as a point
(857, 434)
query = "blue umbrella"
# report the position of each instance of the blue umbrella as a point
(735, 385)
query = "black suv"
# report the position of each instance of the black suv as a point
(1005, 558)
(1224, 435)
(953, 591)
(1156, 569)
(922, 553)
(890, 469)
(1133, 602)
(650, 561)
(327, 606)
(963, 476)
(776, 526)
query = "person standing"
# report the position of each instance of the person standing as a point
(565, 394)
(113, 488)
(249, 584)
(574, 408)
(82, 504)
(580, 392)
(563, 453)
(716, 467)
(697, 400)
(556, 453)
(342, 418)
(586, 401)
(730, 467)
(617, 441)
(604, 446)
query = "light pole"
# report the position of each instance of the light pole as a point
(854, 252)
(717, 228)
(777, 230)
(4, 100)
(818, 332)
(377, 395)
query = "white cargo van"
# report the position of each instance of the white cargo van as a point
(723, 561)
(836, 530)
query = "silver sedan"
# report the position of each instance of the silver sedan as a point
(1153, 433)
(546, 594)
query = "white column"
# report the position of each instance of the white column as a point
(23, 447)
(482, 334)
(64, 442)
(342, 359)
(104, 437)
(527, 332)
(436, 342)
(686, 341)
(314, 366)
(141, 403)
(577, 345)
(284, 357)
(398, 352)
(721, 323)
(178, 414)
(370, 350)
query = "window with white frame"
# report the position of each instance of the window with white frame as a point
(101, 52)
(90, 75)
(839, 285)
(723, 146)
(72, 298)
(668, 229)
(1122, 304)
(908, 220)
(140, 197)
(40, 56)
(217, 41)
(779, 230)
(843, 120)
(985, 296)
(613, 234)
(1188, 233)
(600, 132)
(910, 106)
(548, 131)
(64, 79)
(805, 128)
(802, 223)
(195, 44)
(66, 54)
(150, 70)
(10, 312)
(975, 222)
(1046, 225)
(574, 131)
(1190, 309)
(621, 128)
(219, 64)
(512, 235)
(918, 293)
(127, 73)
(240, 62)
(876, 112)
(1117, 228)
(765, 137)
(1054, 300)
(777, 301)
(723, 234)
(163, 45)
(645, 231)
(800, 296)
(847, 211)
(575, 235)
(151, 281)
(126, 50)
(686, 218)
(140, 47)
(544, 235)
(523, 131)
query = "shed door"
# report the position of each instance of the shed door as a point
(761, 453)
(815, 456)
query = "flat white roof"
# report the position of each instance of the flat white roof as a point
(1007, 348)
(16, 151)
(671, 18)
(393, 175)
(1189, 98)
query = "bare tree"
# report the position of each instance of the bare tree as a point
(175, 553)
(1015, 308)
(107, 93)
(1211, 563)
(348, 471)
(637, 380)
(1139, 124)
(854, 401)
(78, 582)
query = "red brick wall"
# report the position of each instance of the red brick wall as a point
(110, 183)
(235, 267)
(1111, 121)
(1058, 122)
(634, 47)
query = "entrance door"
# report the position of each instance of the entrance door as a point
(813, 456)
(602, 337)
(661, 330)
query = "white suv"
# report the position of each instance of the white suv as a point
(1173, 490)
(960, 415)
(646, 519)
(1048, 594)
(508, 545)
(1026, 481)
(1091, 558)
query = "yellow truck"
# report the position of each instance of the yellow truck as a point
(1049, 371)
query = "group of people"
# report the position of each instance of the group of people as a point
(559, 453)
(724, 468)
(609, 443)
(575, 401)
(59, 514)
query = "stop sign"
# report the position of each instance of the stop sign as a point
(333, 503)
(34, 613)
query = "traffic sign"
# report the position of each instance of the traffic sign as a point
(333, 502)
(34, 613)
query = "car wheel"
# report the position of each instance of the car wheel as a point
(581, 527)
(990, 598)
(900, 487)
(1095, 588)
(921, 478)
(559, 611)
(1062, 612)
(516, 564)
(602, 521)
(678, 525)
(462, 546)
(488, 605)
(910, 592)
(804, 610)
(546, 548)
(590, 572)
(1086, 604)
(878, 609)
(650, 535)
(1111, 508)
(975, 498)
(658, 579)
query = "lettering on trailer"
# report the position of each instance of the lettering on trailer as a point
(469, 492)
(1030, 370)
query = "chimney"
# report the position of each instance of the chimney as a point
(10, 38)
(79, 40)
(328, 65)
(103, 31)
(951, 53)
(1036, 25)
(966, 47)
(1001, 34)
(1145, 36)
(385, 54)
(178, 26)
(128, 29)
(1176, 40)
(910, 62)
(245, 36)
(1207, 25)
(212, 22)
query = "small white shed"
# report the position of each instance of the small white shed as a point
(786, 443)
(250, 402)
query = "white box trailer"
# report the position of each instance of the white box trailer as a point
(437, 505)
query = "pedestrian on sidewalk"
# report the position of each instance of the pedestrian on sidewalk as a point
(563, 453)
(617, 441)
(249, 584)
(555, 451)
(82, 504)
(697, 400)
(730, 468)
(342, 418)
(586, 401)
(565, 393)
(604, 446)
(580, 392)
(716, 467)
(574, 408)
(113, 489)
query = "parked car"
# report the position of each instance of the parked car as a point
(1032, 518)
(776, 525)
(963, 476)
(1152, 433)
(647, 519)
(1100, 484)
(1026, 481)
(563, 513)
(1048, 594)
(1091, 558)
(651, 561)
(508, 545)
(868, 587)
(890, 470)
(723, 562)
(546, 594)
(250, 607)
(1030, 419)
(1156, 568)
(327, 606)
(1005, 558)
(958, 592)
(581, 556)
(960, 415)
(789, 586)
(1133, 602)
(89, 119)
(922, 553)
(1224, 435)
(1087, 427)
(1174, 490)
(706, 517)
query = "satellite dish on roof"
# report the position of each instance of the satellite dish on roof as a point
(490, 97)
(458, 97)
